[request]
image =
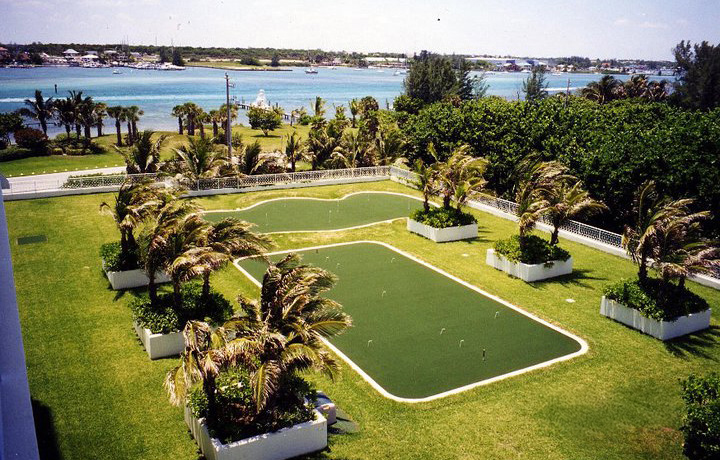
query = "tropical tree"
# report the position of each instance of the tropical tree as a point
(86, 115)
(252, 158)
(657, 91)
(534, 178)
(636, 86)
(39, 109)
(75, 103)
(99, 113)
(199, 159)
(388, 146)
(354, 110)
(318, 107)
(425, 182)
(320, 144)
(293, 149)
(353, 152)
(277, 338)
(602, 91)
(66, 115)
(460, 177)
(265, 120)
(144, 156)
(179, 112)
(133, 114)
(118, 113)
(201, 118)
(535, 85)
(566, 199)
(216, 119)
(191, 111)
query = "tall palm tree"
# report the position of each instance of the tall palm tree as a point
(66, 116)
(603, 90)
(388, 146)
(320, 145)
(354, 106)
(657, 91)
(650, 210)
(460, 177)
(636, 86)
(352, 152)
(279, 336)
(222, 115)
(133, 115)
(252, 158)
(216, 119)
(181, 241)
(201, 117)
(318, 107)
(533, 178)
(99, 113)
(566, 200)
(191, 113)
(199, 159)
(75, 101)
(39, 109)
(134, 202)
(425, 182)
(118, 113)
(179, 112)
(86, 115)
(293, 148)
(144, 156)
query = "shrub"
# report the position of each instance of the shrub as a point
(32, 139)
(236, 406)
(443, 217)
(110, 254)
(165, 317)
(645, 299)
(15, 153)
(701, 423)
(534, 250)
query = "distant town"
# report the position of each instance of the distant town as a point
(177, 58)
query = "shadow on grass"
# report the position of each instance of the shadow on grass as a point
(45, 431)
(576, 278)
(695, 345)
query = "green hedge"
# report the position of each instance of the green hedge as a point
(164, 317)
(701, 423)
(443, 217)
(645, 299)
(534, 250)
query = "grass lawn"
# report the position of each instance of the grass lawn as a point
(295, 214)
(110, 157)
(394, 301)
(104, 398)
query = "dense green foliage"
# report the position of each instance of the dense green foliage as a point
(9, 123)
(110, 255)
(611, 147)
(165, 317)
(699, 83)
(535, 85)
(530, 249)
(31, 139)
(236, 418)
(433, 77)
(701, 423)
(443, 217)
(264, 120)
(646, 298)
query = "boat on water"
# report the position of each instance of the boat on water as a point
(116, 72)
(397, 73)
(311, 70)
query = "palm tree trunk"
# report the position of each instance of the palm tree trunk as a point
(88, 134)
(77, 130)
(681, 283)
(180, 125)
(642, 270)
(215, 128)
(446, 201)
(119, 134)
(152, 287)
(206, 287)
(191, 127)
(554, 237)
(67, 130)
(177, 298)
(99, 129)
(43, 124)
(202, 130)
(426, 204)
(209, 389)
(135, 131)
(292, 162)
(130, 135)
(124, 253)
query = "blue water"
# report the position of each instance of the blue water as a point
(158, 92)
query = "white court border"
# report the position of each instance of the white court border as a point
(583, 344)
(323, 199)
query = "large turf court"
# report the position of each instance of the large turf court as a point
(418, 333)
(309, 214)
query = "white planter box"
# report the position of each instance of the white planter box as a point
(160, 345)
(299, 439)
(663, 330)
(528, 272)
(133, 278)
(441, 235)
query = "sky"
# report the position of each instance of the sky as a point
(645, 29)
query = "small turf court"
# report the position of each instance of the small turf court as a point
(301, 214)
(417, 332)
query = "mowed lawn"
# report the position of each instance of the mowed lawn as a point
(105, 398)
(110, 157)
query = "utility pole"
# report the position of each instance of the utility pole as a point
(228, 127)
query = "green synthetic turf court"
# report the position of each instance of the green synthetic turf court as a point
(419, 333)
(307, 214)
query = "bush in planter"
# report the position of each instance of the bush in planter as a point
(645, 297)
(164, 317)
(701, 423)
(533, 250)
(443, 217)
(111, 253)
(237, 416)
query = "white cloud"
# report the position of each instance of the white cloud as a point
(621, 21)
(652, 25)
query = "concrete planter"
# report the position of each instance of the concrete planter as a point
(299, 439)
(132, 278)
(160, 345)
(529, 272)
(660, 329)
(441, 235)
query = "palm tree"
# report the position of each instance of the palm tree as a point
(75, 101)
(533, 179)
(99, 113)
(636, 86)
(318, 107)
(252, 159)
(179, 112)
(566, 200)
(460, 177)
(657, 91)
(65, 114)
(293, 148)
(198, 160)
(354, 106)
(39, 109)
(216, 119)
(603, 90)
(118, 113)
(278, 336)
(134, 202)
(425, 182)
(352, 152)
(388, 146)
(181, 241)
(222, 115)
(201, 118)
(320, 145)
(133, 114)
(191, 113)
(650, 210)
(144, 155)
(86, 115)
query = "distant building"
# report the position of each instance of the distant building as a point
(90, 58)
(70, 53)
(4, 53)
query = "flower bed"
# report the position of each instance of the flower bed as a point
(299, 439)
(443, 224)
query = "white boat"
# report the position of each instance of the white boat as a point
(311, 70)
(397, 73)
(116, 72)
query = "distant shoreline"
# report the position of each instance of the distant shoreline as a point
(237, 68)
